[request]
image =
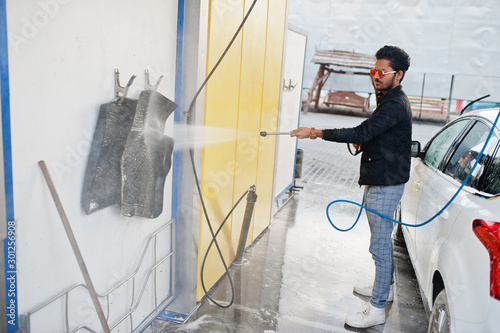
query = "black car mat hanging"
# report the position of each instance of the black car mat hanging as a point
(147, 158)
(130, 156)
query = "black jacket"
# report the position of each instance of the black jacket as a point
(385, 138)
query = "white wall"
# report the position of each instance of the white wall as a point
(286, 146)
(62, 55)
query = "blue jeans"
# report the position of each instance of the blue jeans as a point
(383, 199)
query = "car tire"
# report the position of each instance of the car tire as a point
(439, 322)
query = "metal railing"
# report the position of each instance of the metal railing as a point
(25, 320)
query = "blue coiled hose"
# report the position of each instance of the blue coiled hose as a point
(429, 220)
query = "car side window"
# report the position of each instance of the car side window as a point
(464, 157)
(441, 143)
(492, 180)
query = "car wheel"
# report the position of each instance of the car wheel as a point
(439, 321)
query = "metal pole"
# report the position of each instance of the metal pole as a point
(247, 218)
(74, 245)
(449, 98)
(421, 100)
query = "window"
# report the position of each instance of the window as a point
(442, 142)
(492, 179)
(464, 157)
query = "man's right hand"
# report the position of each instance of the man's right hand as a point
(301, 132)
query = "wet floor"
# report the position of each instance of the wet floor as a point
(299, 274)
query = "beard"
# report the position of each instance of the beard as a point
(381, 87)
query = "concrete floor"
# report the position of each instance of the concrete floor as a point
(299, 274)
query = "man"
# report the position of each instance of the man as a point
(385, 140)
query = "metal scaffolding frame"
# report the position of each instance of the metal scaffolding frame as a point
(25, 320)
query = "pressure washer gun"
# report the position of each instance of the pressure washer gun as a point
(264, 133)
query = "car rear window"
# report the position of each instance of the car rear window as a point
(492, 180)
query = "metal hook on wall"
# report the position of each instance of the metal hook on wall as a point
(122, 90)
(148, 85)
(288, 87)
(285, 88)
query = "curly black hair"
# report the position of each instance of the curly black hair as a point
(399, 60)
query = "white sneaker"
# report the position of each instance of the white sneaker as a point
(371, 316)
(367, 291)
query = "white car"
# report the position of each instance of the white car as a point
(456, 256)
